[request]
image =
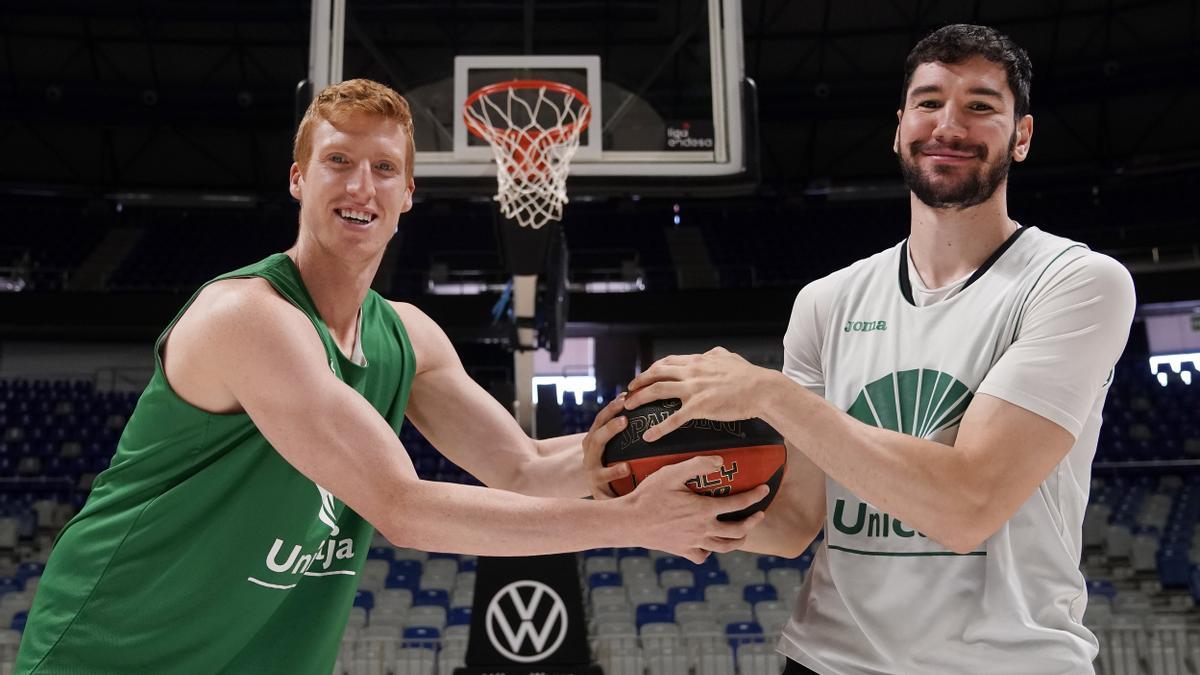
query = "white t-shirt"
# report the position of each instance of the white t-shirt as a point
(1041, 326)
(922, 295)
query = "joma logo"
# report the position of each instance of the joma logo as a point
(864, 326)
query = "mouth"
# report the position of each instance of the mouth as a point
(949, 156)
(954, 154)
(355, 217)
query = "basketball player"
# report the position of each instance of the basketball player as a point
(942, 402)
(228, 533)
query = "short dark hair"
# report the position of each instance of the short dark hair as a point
(958, 42)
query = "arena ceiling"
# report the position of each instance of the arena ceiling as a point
(172, 95)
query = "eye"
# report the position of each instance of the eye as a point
(929, 103)
(980, 107)
(386, 166)
(338, 158)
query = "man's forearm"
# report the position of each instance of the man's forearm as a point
(662, 513)
(555, 475)
(559, 444)
(453, 518)
(924, 483)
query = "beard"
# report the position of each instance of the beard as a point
(974, 189)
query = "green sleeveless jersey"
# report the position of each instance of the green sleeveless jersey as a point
(200, 549)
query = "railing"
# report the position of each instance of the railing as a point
(126, 378)
(1166, 258)
(12, 280)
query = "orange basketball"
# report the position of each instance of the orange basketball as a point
(752, 452)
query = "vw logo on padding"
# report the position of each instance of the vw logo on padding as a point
(526, 621)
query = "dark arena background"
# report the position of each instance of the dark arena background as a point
(744, 150)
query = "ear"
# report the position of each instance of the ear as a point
(295, 181)
(1024, 133)
(896, 139)
(408, 195)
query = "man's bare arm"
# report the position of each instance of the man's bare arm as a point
(474, 431)
(796, 514)
(265, 356)
(957, 495)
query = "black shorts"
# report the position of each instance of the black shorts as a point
(793, 668)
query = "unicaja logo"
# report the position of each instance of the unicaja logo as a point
(326, 511)
(526, 621)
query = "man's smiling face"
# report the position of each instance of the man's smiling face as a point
(957, 136)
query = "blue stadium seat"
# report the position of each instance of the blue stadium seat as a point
(30, 569)
(459, 616)
(671, 562)
(767, 563)
(381, 553)
(680, 594)
(437, 597)
(1173, 566)
(599, 553)
(599, 579)
(18, 621)
(654, 613)
(1106, 588)
(759, 592)
(402, 580)
(743, 633)
(632, 552)
(421, 637)
(711, 577)
(364, 599)
(11, 585)
(410, 567)
(466, 565)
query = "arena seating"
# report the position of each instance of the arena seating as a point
(180, 251)
(44, 241)
(650, 613)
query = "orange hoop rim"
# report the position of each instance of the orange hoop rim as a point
(477, 128)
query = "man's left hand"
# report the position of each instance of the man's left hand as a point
(716, 385)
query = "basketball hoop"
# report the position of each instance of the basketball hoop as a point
(533, 127)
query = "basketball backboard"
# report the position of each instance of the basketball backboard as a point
(665, 80)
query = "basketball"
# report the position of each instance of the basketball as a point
(752, 451)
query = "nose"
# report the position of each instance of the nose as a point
(950, 125)
(360, 184)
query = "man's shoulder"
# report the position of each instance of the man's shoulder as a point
(410, 315)
(1060, 255)
(244, 309)
(224, 296)
(431, 346)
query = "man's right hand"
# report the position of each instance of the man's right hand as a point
(608, 423)
(665, 514)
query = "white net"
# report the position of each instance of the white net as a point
(534, 133)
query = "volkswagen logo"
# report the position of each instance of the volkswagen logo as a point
(526, 621)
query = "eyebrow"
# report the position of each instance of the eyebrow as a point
(934, 89)
(338, 147)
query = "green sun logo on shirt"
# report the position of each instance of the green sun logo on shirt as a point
(917, 402)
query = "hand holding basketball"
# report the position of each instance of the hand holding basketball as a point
(669, 517)
(608, 423)
(716, 385)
